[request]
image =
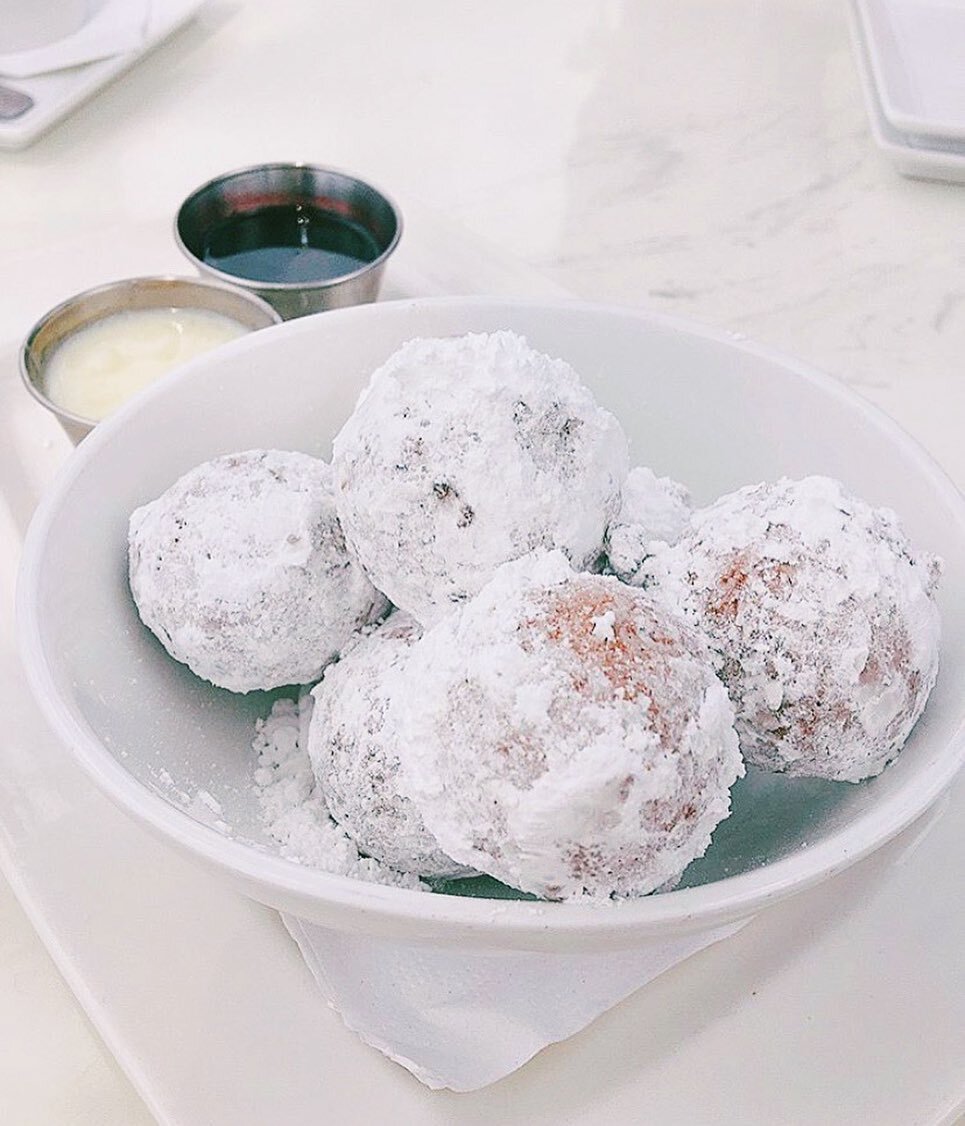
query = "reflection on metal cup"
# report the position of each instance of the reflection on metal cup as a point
(302, 237)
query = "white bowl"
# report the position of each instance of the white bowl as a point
(711, 412)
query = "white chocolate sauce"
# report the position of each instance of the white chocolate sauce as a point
(100, 366)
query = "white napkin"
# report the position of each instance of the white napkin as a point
(464, 1018)
(118, 26)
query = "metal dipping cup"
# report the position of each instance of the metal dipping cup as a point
(118, 297)
(250, 190)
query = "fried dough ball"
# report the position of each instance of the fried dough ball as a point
(241, 570)
(822, 619)
(566, 734)
(356, 759)
(467, 452)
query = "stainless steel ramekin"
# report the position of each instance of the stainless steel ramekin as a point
(253, 189)
(116, 297)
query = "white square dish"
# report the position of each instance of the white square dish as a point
(916, 49)
(788, 1021)
(925, 158)
(58, 93)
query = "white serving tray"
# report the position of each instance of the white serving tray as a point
(919, 157)
(846, 1005)
(59, 93)
(916, 50)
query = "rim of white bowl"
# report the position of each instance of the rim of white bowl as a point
(450, 918)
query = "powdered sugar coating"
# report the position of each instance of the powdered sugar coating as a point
(241, 570)
(293, 810)
(566, 734)
(821, 616)
(652, 510)
(356, 758)
(466, 452)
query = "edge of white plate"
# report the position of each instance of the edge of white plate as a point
(874, 29)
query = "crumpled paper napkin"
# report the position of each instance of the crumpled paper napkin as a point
(116, 27)
(463, 1019)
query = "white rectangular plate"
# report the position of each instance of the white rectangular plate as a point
(845, 1005)
(59, 93)
(916, 49)
(919, 158)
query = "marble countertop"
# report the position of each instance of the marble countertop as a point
(706, 159)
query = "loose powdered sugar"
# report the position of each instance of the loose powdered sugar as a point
(653, 510)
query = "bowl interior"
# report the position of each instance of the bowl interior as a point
(696, 406)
